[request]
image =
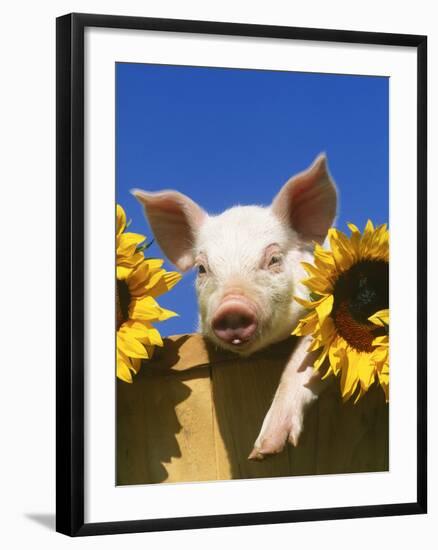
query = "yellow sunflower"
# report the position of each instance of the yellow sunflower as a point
(349, 317)
(128, 255)
(138, 282)
(381, 355)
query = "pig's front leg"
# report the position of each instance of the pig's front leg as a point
(299, 387)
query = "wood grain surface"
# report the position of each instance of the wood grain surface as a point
(193, 413)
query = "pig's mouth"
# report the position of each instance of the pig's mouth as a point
(235, 323)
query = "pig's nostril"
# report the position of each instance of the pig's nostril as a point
(233, 321)
(235, 326)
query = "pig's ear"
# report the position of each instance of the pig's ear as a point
(307, 202)
(174, 219)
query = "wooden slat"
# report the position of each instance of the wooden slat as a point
(242, 392)
(352, 437)
(194, 412)
(303, 458)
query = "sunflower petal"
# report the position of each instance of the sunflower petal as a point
(325, 308)
(165, 282)
(340, 248)
(123, 367)
(154, 263)
(312, 270)
(327, 329)
(321, 358)
(382, 341)
(136, 364)
(154, 337)
(307, 325)
(350, 376)
(380, 318)
(128, 242)
(323, 258)
(130, 346)
(337, 355)
(319, 285)
(120, 220)
(366, 371)
(147, 309)
(308, 304)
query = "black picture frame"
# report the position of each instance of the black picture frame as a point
(70, 273)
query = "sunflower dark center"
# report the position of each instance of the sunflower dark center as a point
(123, 298)
(358, 294)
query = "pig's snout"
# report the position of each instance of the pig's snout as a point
(235, 321)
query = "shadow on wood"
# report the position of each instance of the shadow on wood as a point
(194, 412)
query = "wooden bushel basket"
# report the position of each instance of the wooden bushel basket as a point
(193, 414)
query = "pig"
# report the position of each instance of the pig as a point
(248, 262)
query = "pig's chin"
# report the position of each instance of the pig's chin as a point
(242, 348)
(257, 342)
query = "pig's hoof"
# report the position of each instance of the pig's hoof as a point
(268, 446)
(274, 443)
(260, 453)
(256, 455)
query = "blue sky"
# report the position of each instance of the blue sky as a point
(228, 136)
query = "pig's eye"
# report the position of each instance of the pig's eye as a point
(274, 261)
(201, 269)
